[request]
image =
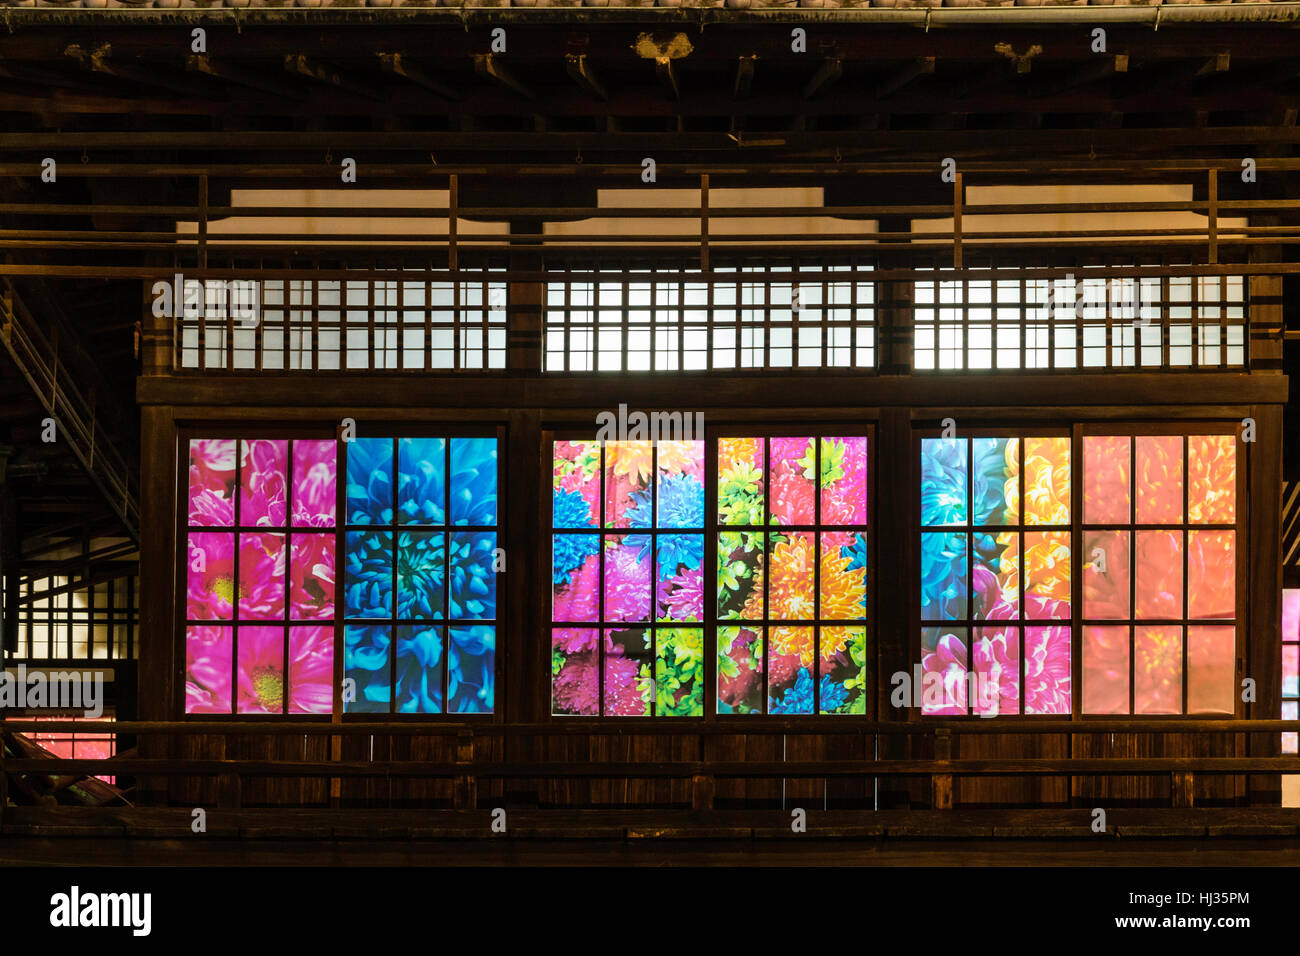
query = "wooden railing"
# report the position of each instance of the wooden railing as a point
(465, 770)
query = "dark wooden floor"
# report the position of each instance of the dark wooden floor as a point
(150, 837)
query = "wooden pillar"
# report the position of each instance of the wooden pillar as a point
(1263, 554)
(893, 616)
(157, 640)
(527, 303)
(941, 783)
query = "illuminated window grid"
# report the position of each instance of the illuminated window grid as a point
(1141, 630)
(630, 319)
(607, 533)
(969, 625)
(288, 531)
(1290, 665)
(367, 325)
(91, 744)
(1045, 324)
(63, 619)
(764, 626)
(399, 537)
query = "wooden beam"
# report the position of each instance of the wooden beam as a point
(575, 64)
(398, 65)
(489, 66)
(300, 65)
(1216, 64)
(904, 75)
(99, 60)
(203, 63)
(744, 76)
(832, 69)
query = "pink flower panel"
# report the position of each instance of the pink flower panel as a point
(262, 483)
(261, 670)
(311, 577)
(997, 671)
(943, 671)
(315, 484)
(844, 480)
(210, 576)
(793, 474)
(212, 482)
(575, 672)
(208, 669)
(627, 578)
(1047, 670)
(261, 577)
(311, 670)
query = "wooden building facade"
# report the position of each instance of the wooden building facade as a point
(905, 233)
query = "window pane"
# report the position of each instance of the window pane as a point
(1106, 670)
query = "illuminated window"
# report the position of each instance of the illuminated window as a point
(95, 742)
(1080, 322)
(260, 523)
(635, 320)
(1159, 585)
(792, 574)
(627, 563)
(420, 591)
(995, 575)
(1290, 665)
(630, 596)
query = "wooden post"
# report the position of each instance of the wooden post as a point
(703, 785)
(1214, 216)
(941, 783)
(956, 220)
(1182, 788)
(466, 787)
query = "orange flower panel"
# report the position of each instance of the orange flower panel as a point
(791, 595)
(1047, 481)
(1160, 574)
(1105, 669)
(1106, 575)
(1158, 670)
(1212, 479)
(1210, 670)
(1211, 572)
(1159, 479)
(1106, 479)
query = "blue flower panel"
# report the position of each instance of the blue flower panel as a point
(474, 481)
(368, 575)
(943, 576)
(366, 664)
(422, 481)
(419, 669)
(991, 474)
(943, 481)
(473, 576)
(370, 481)
(421, 575)
(471, 670)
